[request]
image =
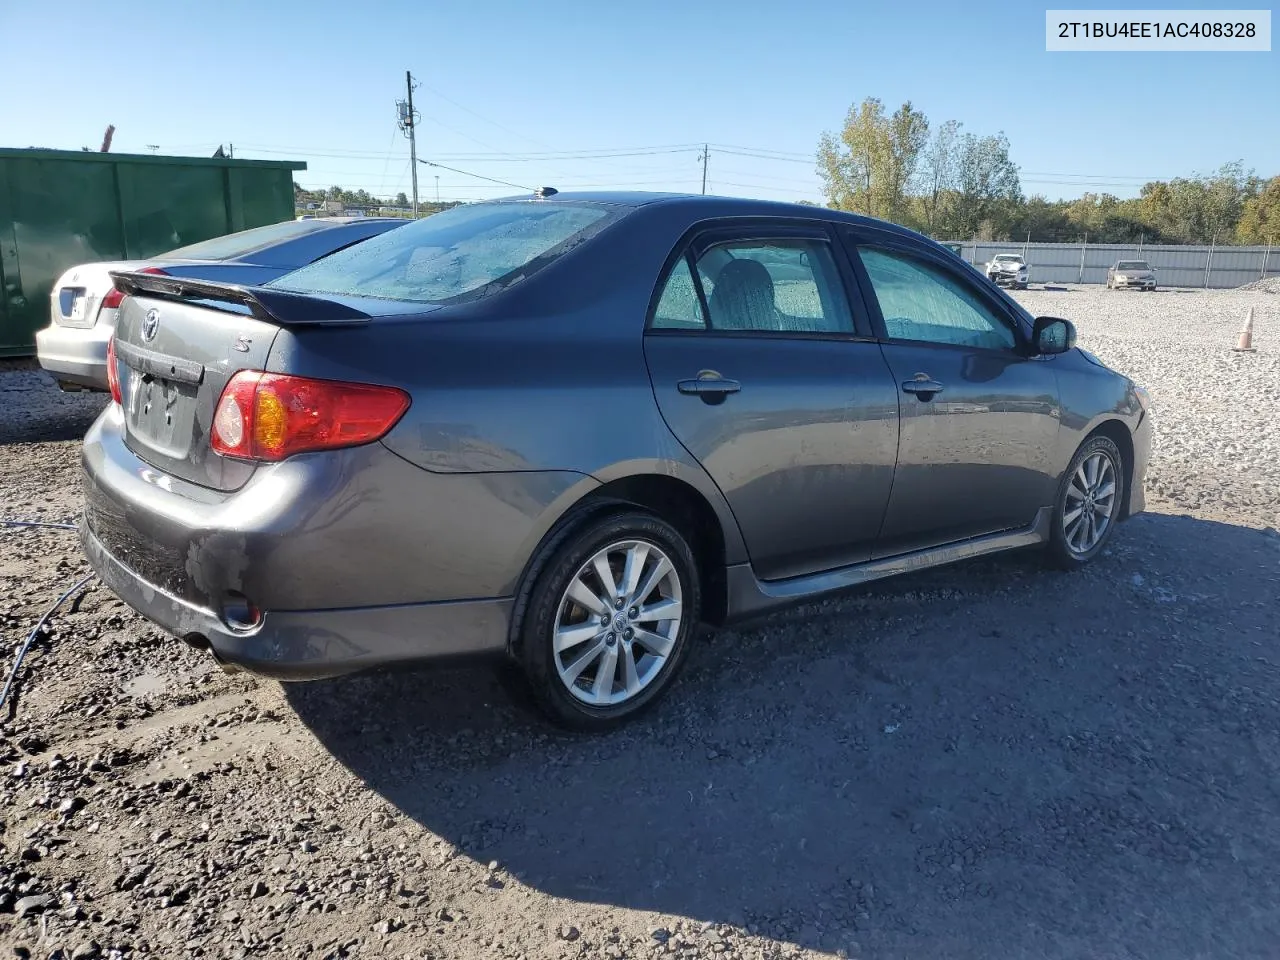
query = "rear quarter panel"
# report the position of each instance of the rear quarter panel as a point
(548, 378)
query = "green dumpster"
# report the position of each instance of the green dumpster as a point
(63, 207)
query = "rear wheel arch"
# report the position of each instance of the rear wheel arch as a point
(670, 498)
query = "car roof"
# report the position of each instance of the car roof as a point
(701, 206)
(341, 221)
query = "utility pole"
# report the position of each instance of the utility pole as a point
(703, 158)
(437, 189)
(408, 124)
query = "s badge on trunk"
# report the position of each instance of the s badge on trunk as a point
(150, 325)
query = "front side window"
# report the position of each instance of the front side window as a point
(466, 252)
(774, 286)
(922, 302)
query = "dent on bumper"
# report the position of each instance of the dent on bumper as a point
(313, 644)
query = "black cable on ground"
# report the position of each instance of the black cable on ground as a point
(26, 644)
(38, 523)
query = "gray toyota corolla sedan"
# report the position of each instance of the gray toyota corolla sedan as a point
(569, 428)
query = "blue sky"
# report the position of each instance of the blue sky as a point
(503, 83)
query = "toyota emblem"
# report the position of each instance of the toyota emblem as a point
(150, 325)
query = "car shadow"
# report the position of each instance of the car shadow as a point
(34, 410)
(989, 759)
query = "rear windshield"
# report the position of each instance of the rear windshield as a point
(246, 241)
(1132, 265)
(467, 252)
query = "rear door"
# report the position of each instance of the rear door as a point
(769, 378)
(979, 415)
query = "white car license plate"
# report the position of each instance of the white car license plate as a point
(78, 306)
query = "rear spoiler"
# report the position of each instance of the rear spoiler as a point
(274, 306)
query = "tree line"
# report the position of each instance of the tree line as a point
(952, 184)
(363, 200)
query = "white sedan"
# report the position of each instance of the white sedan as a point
(83, 303)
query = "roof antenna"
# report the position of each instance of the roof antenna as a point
(544, 192)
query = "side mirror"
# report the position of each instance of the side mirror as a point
(1052, 335)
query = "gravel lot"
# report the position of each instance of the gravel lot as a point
(991, 760)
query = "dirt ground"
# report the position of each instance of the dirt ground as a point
(989, 760)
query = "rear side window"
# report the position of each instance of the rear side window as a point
(464, 253)
(765, 286)
(678, 307)
(246, 241)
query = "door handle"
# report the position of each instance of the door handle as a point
(922, 387)
(712, 389)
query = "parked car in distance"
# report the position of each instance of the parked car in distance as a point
(1008, 269)
(568, 430)
(1125, 274)
(83, 303)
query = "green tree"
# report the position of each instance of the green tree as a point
(871, 166)
(402, 200)
(939, 171)
(988, 189)
(1260, 215)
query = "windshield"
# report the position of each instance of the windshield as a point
(466, 252)
(1008, 258)
(1132, 265)
(246, 241)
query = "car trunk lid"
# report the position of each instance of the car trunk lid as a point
(177, 344)
(77, 296)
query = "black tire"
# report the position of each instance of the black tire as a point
(539, 609)
(1061, 552)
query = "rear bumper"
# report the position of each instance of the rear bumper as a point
(356, 558)
(76, 354)
(314, 644)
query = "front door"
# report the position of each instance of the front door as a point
(979, 414)
(762, 373)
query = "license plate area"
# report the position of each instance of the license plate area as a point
(73, 305)
(160, 413)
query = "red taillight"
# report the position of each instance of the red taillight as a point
(113, 377)
(115, 296)
(112, 300)
(271, 416)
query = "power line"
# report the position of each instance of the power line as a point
(781, 153)
(496, 156)
(467, 173)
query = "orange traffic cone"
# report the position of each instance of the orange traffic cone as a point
(1245, 345)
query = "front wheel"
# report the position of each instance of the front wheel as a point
(608, 622)
(1088, 505)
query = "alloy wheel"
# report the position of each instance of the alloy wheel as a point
(617, 623)
(1090, 503)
